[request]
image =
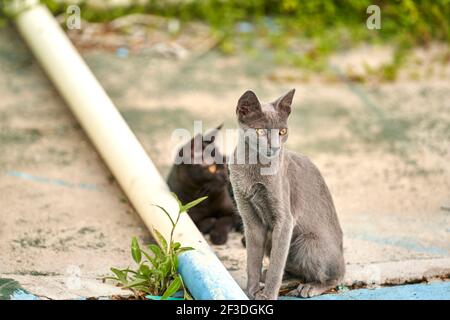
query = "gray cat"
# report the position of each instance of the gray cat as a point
(289, 214)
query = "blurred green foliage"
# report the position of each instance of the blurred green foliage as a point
(419, 20)
(301, 33)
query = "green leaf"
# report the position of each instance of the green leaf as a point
(142, 288)
(153, 261)
(187, 296)
(166, 266)
(140, 276)
(180, 205)
(172, 288)
(161, 240)
(135, 250)
(156, 250)
(167, 214)
(175, 262)
(184, 249)
(191, 204)
(120, 274)
(135, 283)
(145, 270)
(158, 273)
(129, 270)
(176, 246)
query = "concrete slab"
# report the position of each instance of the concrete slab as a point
(432, 291)
(368, 265)
(64, 220)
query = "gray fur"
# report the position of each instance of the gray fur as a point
(290, 215)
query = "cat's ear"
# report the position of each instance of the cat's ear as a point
(248, 106)
(210, 136)
(283, 103)
(195, 145)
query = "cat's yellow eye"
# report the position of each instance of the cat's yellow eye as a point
(260, 132)
(283, 131)
(212, 168)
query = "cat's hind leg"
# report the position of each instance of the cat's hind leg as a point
(318, 264)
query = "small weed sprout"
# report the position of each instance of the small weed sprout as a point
(157, 272)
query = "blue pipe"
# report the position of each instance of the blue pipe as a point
(206, 277)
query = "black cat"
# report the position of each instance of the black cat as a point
(217, 215)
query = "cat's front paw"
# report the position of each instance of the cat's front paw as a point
(261, 295)
(251, 291)
(218, 237)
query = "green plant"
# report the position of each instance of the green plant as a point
(299, 33)
(156, 272)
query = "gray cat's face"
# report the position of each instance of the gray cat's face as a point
(266, 123)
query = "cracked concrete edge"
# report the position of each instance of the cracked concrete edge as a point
(397, 272)
(62, 287)
(391, 273)
(357, 275)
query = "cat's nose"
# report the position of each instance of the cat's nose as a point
(275, 149)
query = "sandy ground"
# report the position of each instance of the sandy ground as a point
(382, 148)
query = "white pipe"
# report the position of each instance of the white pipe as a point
(122, 152)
